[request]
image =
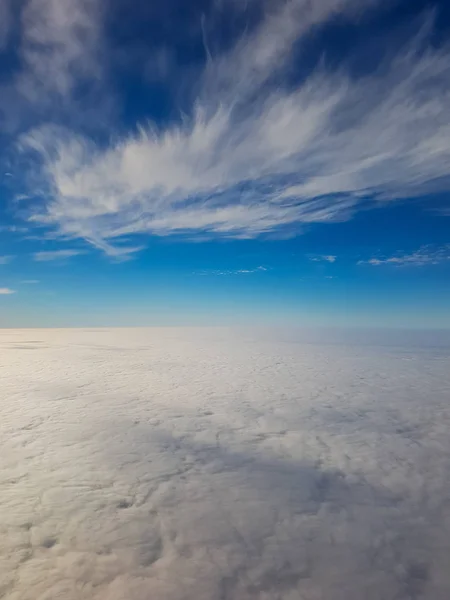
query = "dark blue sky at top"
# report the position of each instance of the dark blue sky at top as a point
(154, 55)
(148, 86)
(175, 28)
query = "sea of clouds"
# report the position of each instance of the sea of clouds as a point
(206, 464)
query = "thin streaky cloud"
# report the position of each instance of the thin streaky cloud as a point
(5, 22)
(247, 271)
(13, 229)
(6, 291)
(56, 255)
(324, 258)
(424, 256)
(295, 157)
(30, 281)
(259, 269)
(58, 47)
(5, 260)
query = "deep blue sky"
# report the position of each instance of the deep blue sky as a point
(225, 162)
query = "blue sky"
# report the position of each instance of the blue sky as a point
(221, 162)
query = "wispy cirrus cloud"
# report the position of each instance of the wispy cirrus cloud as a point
(13, 229)
(426, 255)
(6, 291)
(59, 71)
(256, 270)
(5, 22)
(324, 258)
(259, 269)
(59, 47)
(56, 255)
(6, 259)
(257, 154)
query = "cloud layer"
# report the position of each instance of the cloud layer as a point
(213, 465)
(258, 153)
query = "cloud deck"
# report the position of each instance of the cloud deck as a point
(211, 464)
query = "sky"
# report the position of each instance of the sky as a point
(225, 162)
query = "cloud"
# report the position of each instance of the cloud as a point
(58, 46)
(6, 291)
(225, 465)
(259, 269)
(312, 153)
(325, 258)
(426, 255)
(119, 253)
(6, 259)
(58, 74)
(30, 281)
(5, 22)
(55, 255)
(13, 229)
(256, 156)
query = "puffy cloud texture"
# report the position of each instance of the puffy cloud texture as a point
(208, 464)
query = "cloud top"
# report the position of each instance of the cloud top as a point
(223, 465)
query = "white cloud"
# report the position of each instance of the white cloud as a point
(6, 259)
(259, 269)
(324, 258)
(30, 281)
(59, 71)
(221, 466)
(55, 255)
(59, 46)
(6, 291)
(5, 22)
(241, 167)
(426, 255)
(13, 229)
(221, 171)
